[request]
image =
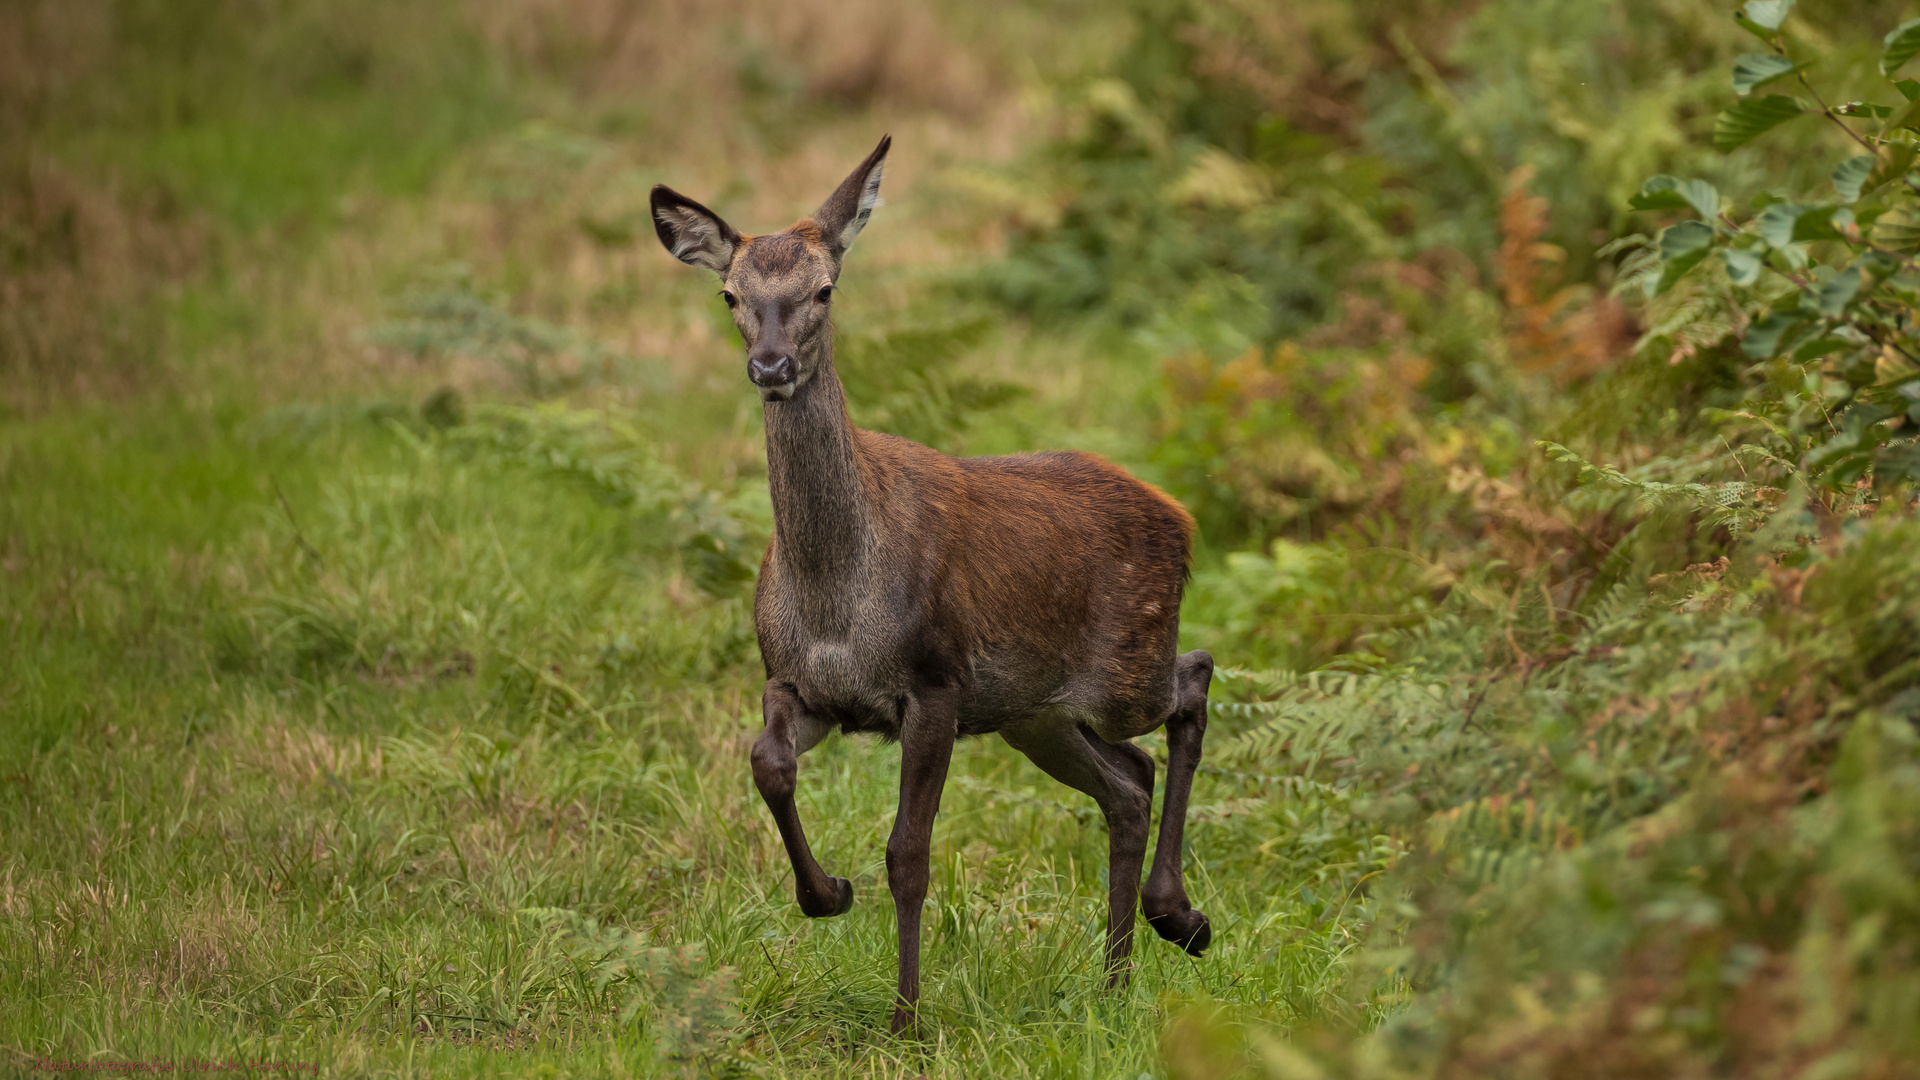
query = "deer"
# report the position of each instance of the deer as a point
(926, 598)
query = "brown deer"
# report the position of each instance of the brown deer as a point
(924, 598)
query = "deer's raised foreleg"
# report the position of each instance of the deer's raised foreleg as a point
(1119, 776)
(1164, 900)
(791, 731)
(927, 734)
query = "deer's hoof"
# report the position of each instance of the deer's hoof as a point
(837, 902)
(1188, 929)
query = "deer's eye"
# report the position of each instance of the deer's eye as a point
(825, 294)
(727, 295)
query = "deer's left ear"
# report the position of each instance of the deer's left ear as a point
(846, 211)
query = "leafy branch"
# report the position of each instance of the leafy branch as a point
(1824, 290)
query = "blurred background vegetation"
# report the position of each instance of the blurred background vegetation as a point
(378, 506)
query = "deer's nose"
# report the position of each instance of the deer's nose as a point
(770, 372)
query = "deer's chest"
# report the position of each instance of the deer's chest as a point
(851, 661)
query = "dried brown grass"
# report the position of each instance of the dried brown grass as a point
(87, 266)
(92, 262)
(855, 53)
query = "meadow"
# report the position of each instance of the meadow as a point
(380, 508)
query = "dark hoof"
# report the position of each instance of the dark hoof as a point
(839, 902)
(1187, 929)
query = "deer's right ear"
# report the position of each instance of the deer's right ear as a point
(694, 234)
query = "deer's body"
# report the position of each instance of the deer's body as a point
(924, 597)
(1035, 583)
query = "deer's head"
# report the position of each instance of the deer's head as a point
(780, 285)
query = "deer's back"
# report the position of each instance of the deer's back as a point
(1035, 582)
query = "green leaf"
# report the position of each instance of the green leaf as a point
(1819, 223)
(1786, 223)
(1911, 391)
(1898, 230)
(1660, 192)
(1839, 462)
(1861, 108)
(1868, 413)
(1743, 267)
(1767, 14)
(1745, 121)
(1682, 247)
(1903, 44)
(1684, 239)
(1899, 460)
(1762, 340)
(1837, 291)
(1892, 160)
(1776, 223)
(1818, 346)
(1671, 193)
(1878, 264)
(1907, 115)
(1909, 88)
(1754, 70)
(1850, 175)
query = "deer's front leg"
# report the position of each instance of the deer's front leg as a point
(790, 731)
(927, 734)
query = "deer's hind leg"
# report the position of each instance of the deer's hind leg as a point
(1119, 776)
(791, 731)
(1165, 898)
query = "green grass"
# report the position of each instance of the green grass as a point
(274, 120)
(305, 724)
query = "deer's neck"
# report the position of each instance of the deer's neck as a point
(820, 512)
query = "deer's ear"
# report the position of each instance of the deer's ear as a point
(694, 234)
(846, 211)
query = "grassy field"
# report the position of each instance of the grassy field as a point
(309, 728)
(333, 733)
(379, 508)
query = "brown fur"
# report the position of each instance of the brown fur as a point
(1033, 583)
(779, 254)
(925, 597)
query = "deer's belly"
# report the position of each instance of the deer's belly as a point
(862, 681)
(865, 692)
